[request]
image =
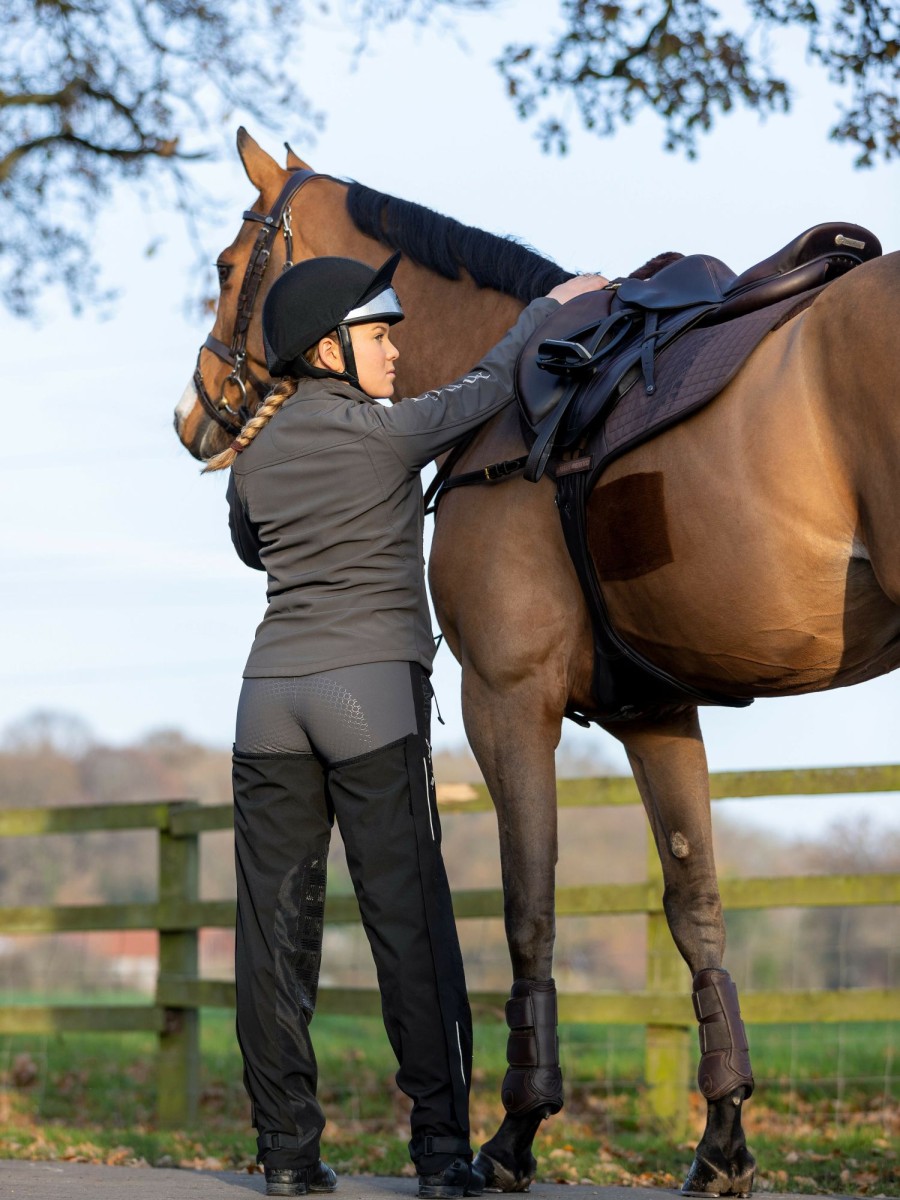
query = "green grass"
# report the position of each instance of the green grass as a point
(824, 1116)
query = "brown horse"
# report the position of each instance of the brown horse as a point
(779, 510)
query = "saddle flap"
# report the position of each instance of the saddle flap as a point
(695, 279)
(539, 391)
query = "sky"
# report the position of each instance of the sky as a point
(123, 600)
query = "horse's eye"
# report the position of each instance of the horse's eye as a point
(224, 271)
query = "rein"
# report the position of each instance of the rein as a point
(232, 420)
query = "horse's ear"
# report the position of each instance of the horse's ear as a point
(262, 170)
(294, 161)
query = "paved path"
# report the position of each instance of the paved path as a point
(81, 1181)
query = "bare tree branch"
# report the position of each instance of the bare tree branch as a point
(95, 93)
(616, 58)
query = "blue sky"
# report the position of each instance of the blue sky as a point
(124, 602)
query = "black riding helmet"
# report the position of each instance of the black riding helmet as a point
(319, 296)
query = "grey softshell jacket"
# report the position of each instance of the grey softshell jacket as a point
(327, 500)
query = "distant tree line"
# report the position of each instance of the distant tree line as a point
(53, 759)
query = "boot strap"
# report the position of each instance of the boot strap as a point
(427, 1144)
(278, 1141)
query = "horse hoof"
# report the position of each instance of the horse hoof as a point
(707, 1180)
(498, 1178)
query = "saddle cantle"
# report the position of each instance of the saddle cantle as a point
(611, 369)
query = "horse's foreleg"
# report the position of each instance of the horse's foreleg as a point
(515, 746)
(669, 765)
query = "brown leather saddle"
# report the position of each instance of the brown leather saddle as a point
(611, 369)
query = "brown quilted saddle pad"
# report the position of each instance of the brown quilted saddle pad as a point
(689, 374)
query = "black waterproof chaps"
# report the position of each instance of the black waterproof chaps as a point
(282, 830)
(385, 807)
(388, 818)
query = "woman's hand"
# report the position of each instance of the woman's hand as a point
(577, 286)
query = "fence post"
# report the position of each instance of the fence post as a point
(666, 1053)
(178, 1061)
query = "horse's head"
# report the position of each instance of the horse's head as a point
(461, 288)
(230, 378)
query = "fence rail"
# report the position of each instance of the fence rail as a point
(664, 1007)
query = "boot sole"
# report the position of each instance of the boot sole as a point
(296, 1189)
(453, 1192)
(287, 1189)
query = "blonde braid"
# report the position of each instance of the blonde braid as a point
(281, 392)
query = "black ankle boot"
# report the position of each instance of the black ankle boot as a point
(459, 1179)
(298, 1181)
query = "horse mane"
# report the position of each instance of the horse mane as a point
(655, 264)
(447, 246)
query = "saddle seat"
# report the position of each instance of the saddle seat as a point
(801, 264)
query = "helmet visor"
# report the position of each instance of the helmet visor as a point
(385, 306)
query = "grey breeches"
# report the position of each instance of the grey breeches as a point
(336, 714)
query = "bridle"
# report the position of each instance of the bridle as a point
(232, 420)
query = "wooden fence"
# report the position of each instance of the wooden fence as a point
(664, 1008)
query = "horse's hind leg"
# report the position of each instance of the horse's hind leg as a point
(514, 744)
(669, 765)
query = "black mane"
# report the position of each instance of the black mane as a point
(445, 246)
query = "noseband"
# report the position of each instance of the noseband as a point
(278, 217)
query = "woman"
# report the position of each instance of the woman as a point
(334, 714)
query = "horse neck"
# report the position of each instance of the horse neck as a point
(449, 325)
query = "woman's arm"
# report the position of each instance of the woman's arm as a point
(421, 427)
(244, 533)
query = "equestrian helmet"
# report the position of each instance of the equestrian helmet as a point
(319, 296)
